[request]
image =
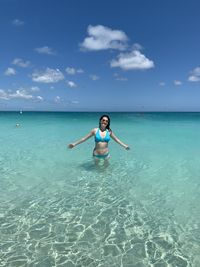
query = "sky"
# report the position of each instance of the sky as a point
(108, 55)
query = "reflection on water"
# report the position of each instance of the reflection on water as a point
(58, 209)
(94, 220)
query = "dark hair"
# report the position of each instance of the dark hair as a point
(108, 125)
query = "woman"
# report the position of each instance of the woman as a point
(102, 137)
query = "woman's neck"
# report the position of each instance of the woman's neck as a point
(102, 129)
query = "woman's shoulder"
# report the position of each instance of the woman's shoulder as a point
(94, 130)
(110, 131)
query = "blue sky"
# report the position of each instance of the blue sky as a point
(70, 55)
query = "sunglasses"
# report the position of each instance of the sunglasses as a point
(104, 120)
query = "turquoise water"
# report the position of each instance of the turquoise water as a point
(58, 209)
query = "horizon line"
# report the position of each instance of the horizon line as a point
(106, 111)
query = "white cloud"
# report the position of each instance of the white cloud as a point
(101, 38)
(10, 71)
(73, 71)
(20, 93)
(35, 89)
(74, 102)
(48, 76)
(122, 79)
(132, 61)
(45, 50)
(3, 95)
(71, 84)
(94, 77)
(57, 99)
(193, 78)
(80, 71)
(177, 82)
(39, 98)
(19, 62)
(17, 22)
(162, 83)
(137, 46)
(70, 71)
(194, 75)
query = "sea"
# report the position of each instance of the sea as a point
(57, 208)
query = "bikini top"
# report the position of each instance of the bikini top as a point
(99, 138)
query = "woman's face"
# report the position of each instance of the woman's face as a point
(104, 122)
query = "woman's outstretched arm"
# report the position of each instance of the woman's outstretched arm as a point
(114, 137)
(83, 139)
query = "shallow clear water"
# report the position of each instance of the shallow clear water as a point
(58, 209)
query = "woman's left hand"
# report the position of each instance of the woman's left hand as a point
(71, 146)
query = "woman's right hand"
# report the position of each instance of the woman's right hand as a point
(71, 145)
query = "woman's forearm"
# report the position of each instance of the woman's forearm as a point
(81, 140)
(119, 141)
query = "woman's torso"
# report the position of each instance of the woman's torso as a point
(101, 141)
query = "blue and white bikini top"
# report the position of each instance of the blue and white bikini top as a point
(99, 138)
